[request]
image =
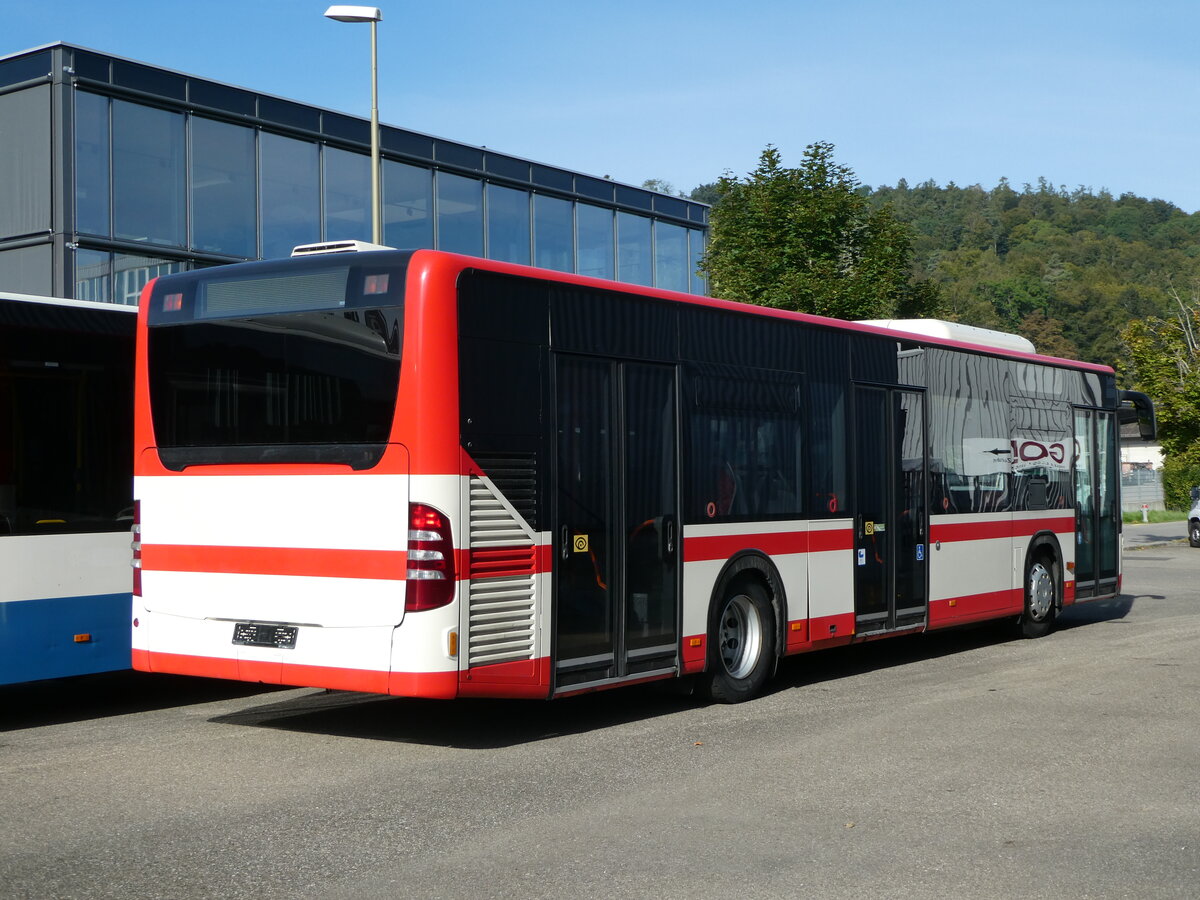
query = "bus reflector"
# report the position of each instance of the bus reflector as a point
(430, 559)
(137, 548)
(83, 638)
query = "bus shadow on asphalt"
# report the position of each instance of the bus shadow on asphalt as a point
(477, 724)
(858, 659)
(465, 724)
(1112, 612)
(82, 698)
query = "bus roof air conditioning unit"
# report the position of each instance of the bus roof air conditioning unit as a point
(956, 331)
(336, 247)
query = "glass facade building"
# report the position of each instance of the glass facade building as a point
(115, 172)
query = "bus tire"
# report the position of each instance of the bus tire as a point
(741, 643)
(1194, 532)
(1041, 597)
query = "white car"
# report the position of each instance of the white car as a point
(1194, 519)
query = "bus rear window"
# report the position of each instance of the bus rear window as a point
(293, 387)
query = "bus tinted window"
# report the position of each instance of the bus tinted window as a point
(745, 446)
(66, 419)
(969, 432)
(317, 379)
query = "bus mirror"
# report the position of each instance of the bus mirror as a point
(1137, 408)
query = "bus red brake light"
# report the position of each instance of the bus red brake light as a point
(137, 548)
(430, 559)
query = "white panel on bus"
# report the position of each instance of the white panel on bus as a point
(302, 511)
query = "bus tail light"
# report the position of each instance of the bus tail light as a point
(137, 548)
(430, 559)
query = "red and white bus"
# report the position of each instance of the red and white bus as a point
(423, 474)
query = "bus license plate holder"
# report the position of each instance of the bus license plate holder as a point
(260, 634)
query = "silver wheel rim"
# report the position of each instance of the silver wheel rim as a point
(740, 636)
(1041, 592)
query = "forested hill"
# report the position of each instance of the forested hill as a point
(1067, 269)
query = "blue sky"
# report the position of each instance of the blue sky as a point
(1103, 94)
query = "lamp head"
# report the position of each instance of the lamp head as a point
(354, 13)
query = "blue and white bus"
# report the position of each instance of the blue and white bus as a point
(66, 407)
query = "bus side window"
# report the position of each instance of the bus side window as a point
(828, 452)
(748, 464)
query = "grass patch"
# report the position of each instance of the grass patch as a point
(1156, 515)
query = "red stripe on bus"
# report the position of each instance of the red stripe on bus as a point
(1030, 527)
(975, 607)
(436, 685)
(503, 561)
(694, 653)
(824, 541)
(527, 678)
(723, 546)
(300, 561)
(839, 627)
(982, 531)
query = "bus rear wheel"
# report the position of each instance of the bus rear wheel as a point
(741, 643)
(1041, 600)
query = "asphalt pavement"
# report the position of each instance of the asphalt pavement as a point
(967, 764)
(1140, 535)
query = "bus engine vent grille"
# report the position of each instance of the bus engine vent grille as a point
(502, 590)
(515, 476)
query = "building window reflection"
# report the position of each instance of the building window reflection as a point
(291, 200)
(553, 237)
(594, 230)
(634, 260)
(347, 195)
(671, 256)
(93, 269)
(508, 224)
(696, 243)
(459, 214)
(148, 174)
(223, 195)
(132, 272)
(91, 163)
(407, 206)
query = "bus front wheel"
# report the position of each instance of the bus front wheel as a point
(1041, 598)
(741, 643)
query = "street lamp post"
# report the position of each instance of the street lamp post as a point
(373, 15)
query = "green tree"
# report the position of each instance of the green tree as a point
(706, 193)
(1164, 360)
(663, 187)
(807, 239)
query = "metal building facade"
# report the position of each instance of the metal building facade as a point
(115, 171)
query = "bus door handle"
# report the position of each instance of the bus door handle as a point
(669, 538)
(566, 543)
